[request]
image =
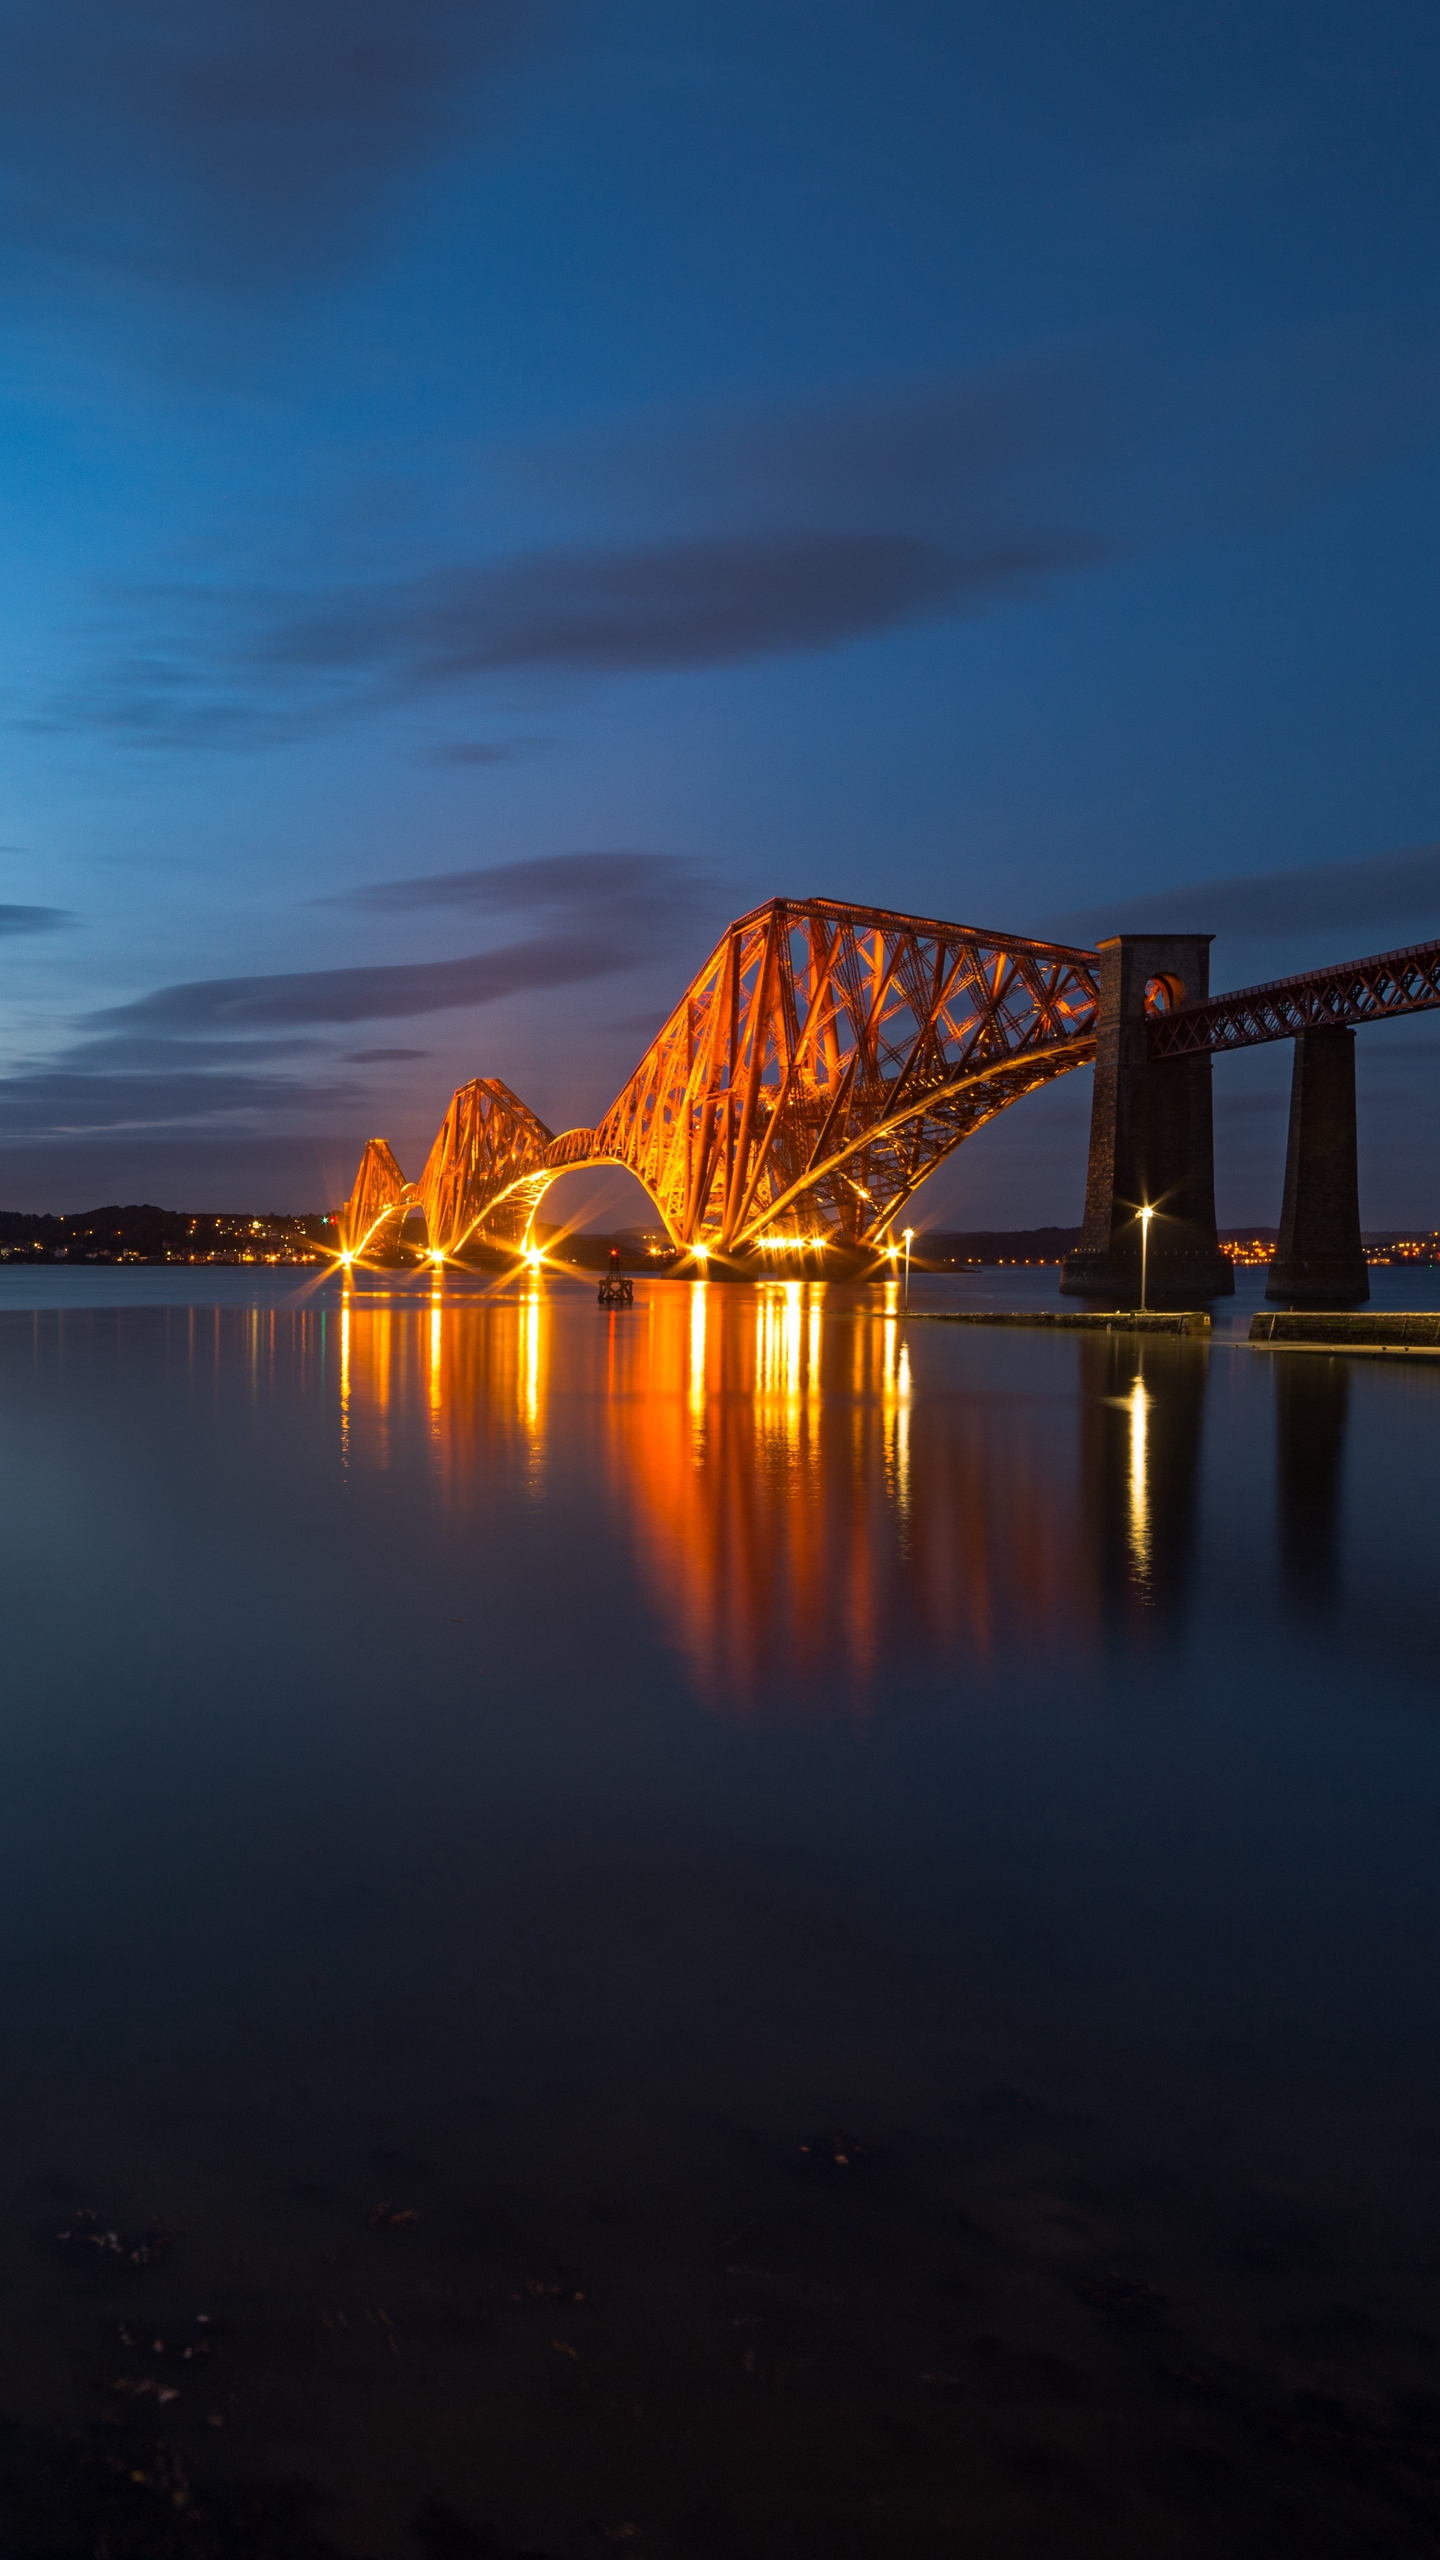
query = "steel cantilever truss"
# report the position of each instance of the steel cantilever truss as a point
(1394, 982)
(824, 1061)
(487, 1168)
(379, 1204)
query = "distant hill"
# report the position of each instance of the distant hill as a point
(940, 1251)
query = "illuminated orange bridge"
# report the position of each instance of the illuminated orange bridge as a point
(823, 1063)
(828, 1057)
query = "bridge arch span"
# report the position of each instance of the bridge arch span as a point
(819, 1067)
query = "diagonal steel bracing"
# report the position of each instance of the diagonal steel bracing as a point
(1356, 991)
(487, 1167)
(379, 1204)
(822, 1063)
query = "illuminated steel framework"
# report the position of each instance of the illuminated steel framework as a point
(489, 1161)
(824, 1061)
(379, 1204)
(1355, 991)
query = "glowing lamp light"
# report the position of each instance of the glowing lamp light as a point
(1146, 1214)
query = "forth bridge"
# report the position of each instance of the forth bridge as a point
(829, 1056)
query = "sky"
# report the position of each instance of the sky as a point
(491, 489)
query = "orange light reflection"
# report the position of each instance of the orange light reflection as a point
(803, 1517)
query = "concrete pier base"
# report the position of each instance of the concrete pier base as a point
(1319, 1259)
(1152, 1139)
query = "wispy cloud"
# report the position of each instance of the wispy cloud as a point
(636, 611)
(975, 461)
(605, 913)
(245, 670)
(725, 539)
(655, 887)
(240, 1056)
(1368, 897)
(63, 1100)
(717, 543)
(201, 143)
(34, 919)
(378, 993)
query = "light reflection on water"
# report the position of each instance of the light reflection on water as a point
(543, 1767)
(1139, 1486)
(816, 1489)
(797, 1514)
(804, 1513)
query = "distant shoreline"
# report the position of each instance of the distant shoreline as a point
(143, 1234)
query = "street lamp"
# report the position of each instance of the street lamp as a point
(905, 1301)
(1146, 1214)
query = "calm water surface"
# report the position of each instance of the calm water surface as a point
(743, 1928)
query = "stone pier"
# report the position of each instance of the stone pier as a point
(1152, 1137)
(1319, 1259)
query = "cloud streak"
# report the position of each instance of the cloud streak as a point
(221, 1053)
(660, 607)
(722, 541)
(1363, 897)
(378, 993)
(654, 884)
(609, 912)
(58, 1100)
(726, 540)
(721, 544)
(15, 920)
(975, 461)
(274, 671)
(197, 143)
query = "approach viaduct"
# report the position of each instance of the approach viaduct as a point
(829, 1056)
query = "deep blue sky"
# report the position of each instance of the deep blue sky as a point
(973, 459)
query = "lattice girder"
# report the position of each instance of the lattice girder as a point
(817, 1033)
(1353, 992)
(379, 1203)
(486, 1169)
(822, 1063)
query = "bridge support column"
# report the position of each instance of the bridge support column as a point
(1319, 1259)
(1152, 1139)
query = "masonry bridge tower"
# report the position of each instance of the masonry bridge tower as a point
(1152, 1139)
(1157, 1030)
